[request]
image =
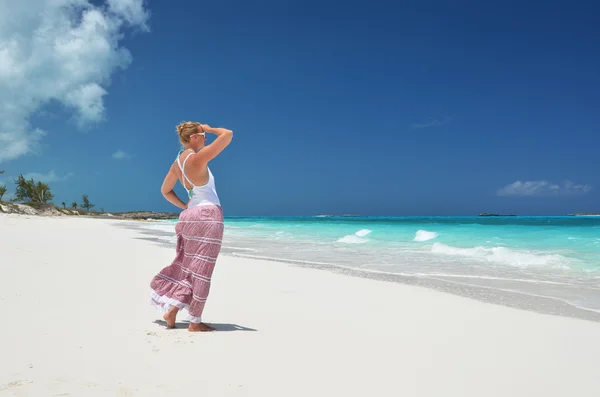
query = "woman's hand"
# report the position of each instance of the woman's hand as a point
(218, 131)
(167, 188)
(209, 152)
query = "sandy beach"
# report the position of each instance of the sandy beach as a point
(74, 293)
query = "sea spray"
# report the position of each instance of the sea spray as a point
(504, 256)
(424, 235)
(356, 238)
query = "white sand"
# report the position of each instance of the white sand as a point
(76, 322)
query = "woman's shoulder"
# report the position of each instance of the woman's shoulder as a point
(183, 153)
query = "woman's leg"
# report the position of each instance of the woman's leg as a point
(171, 316)
(209, 234)
(171, 287)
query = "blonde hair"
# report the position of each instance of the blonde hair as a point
(186, 129)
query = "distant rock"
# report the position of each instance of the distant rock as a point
(331, 215)
(487, 214)
(12, 208)
(51, 210)
(143, 215)
(27, 209)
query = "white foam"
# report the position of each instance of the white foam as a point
(352, 239)
(503, 255)
(356, 238)
(362, 232)
(424, 235)
(239, 248)
(160, 226)
(484, 277)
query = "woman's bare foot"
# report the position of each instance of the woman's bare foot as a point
(200, 327)
(171, 316)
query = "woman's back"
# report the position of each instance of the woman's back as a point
(190, 167)
(198, 180)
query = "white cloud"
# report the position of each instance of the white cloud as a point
(120, 155)
(61, 50)
(132, 11)
(542, 188)
(431, 122)
(49, 177)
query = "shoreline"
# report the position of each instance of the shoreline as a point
(443, 283)
(145, 215)
(485, 294)
(281, 329)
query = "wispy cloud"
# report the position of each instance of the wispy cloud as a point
(542, 188)
(120, 155)
(64, 51)
(431, 122)
(49, 177)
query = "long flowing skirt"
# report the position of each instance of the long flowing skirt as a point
(185, 283)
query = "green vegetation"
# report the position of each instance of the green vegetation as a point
(2, 187)
(28, 190)
(38, 195)
(86, 203)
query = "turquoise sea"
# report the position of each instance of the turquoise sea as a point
(552, 257)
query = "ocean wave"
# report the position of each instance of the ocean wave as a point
(363, 232)
(503, 255)
(424, 235)
(160, 226)
(356, 238)
(231, 247)
(492, 278)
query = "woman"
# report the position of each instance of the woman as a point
(185, 284)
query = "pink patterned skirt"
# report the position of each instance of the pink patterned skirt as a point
(185, 283)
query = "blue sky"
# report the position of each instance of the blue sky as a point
(418, 108)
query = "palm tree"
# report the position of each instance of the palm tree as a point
(86, 202)
(64, 205)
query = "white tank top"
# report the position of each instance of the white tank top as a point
(199, 195)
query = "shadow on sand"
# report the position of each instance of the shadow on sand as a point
(217, 327)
